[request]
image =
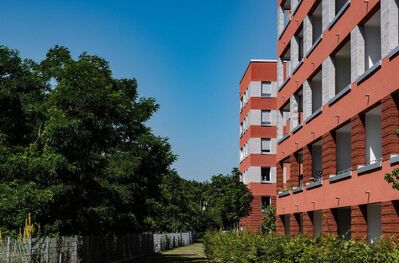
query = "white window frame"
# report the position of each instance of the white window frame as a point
(267, 122)
(261, 202)
(269, 87)
(261, 175)
(265, 151)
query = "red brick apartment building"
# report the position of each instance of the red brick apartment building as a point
(337, 117)
(258, 121)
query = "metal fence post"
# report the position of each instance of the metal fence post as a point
(47, 250)
(30, 248)
(8, 250)
(61, 249)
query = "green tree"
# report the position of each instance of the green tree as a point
(190, 205)
(74, 147)
(228, 200)
(269, 220)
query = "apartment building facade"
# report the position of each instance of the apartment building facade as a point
(258, 121)
(337, 117)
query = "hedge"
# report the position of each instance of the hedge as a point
(249, 247)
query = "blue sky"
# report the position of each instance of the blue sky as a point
(189, 55)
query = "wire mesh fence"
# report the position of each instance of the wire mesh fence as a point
(90, 249)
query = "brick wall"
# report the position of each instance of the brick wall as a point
(308, 223)
(294, 225)
(358, 137)
(294, 170)
(329, 222)
(359, 222)
(307, 164)
(329, 155)
(389, 124)
(254, 221)
(280, 184)
(280, 224)
(390, 218)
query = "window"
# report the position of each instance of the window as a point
(265, 145)
(316, 90)
(372, 40)
(316, 20)
(373, 136)
(265, 202)
(246, 150)
(266, 117)
(285, 125)
(339, 4)
(299, 43)
(299, 100)
(342, 65)
(343, 151)
(286, 59)
(265, 174)
(286, 7)
(317, 167)
(244, 177)
(266, 89)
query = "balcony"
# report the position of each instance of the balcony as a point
(340, 7)
(297, 111)
(343, 154)
(284, 193)
(313, 97)
(341, 175)
(342, 72)
(394, 159)
(316, 28)
(373, 141)
(286, 16)
(315, 183)
(284, 123)
(370, 166)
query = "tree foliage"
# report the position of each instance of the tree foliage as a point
(190, 205)
(228, 200)
(393, 178)
(243, 246)
(75, 151)
(269, 220)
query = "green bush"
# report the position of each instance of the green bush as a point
(269, 220)
(249, 247)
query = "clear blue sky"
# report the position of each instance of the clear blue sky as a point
(189, 55)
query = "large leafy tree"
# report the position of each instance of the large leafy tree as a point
(74, 148)
(228, 200)
(76, 153)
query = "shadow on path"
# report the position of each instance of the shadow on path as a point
(171, 258)
(193, 253)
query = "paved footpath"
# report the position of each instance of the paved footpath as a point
(193, 253)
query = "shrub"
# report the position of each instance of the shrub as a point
(249, 247)
(269, 220)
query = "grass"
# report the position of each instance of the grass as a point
(193, 253)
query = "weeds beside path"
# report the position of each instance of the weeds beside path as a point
(193, 253)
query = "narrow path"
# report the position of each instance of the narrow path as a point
(193, 253)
